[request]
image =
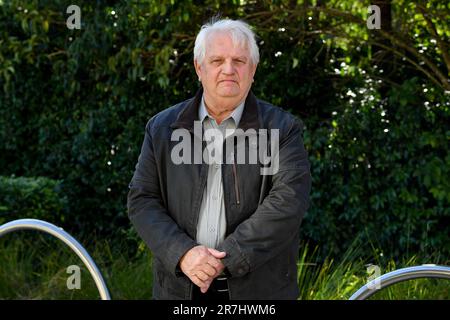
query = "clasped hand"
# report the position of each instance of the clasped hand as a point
(202, 265)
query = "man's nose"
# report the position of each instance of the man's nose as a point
(228, 68)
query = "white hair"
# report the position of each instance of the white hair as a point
(240, 32)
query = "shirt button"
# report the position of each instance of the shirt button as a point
(216, 166)
(212, 229)
(214, 197)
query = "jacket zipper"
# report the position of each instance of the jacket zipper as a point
(236, 186)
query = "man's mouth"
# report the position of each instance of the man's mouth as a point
(227, 81)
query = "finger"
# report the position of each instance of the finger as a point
(202, 275)
(216, 264)
(217, 254)
(205, 287)
(210, 270)
(199, 283)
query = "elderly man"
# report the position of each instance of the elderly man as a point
(222, 230)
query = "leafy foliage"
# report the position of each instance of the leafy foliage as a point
(380, 176)
(38, 198)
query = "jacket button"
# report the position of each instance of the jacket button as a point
(240, 271)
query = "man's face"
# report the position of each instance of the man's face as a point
(226, 71)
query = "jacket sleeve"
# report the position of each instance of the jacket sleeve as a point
(276, 221)
(148, 213)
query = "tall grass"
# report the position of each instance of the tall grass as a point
(33, 266)
(336, 279)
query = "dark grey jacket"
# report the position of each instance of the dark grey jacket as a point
(263, 212)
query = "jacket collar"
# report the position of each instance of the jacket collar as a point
(189, 114)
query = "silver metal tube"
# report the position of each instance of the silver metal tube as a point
(34, 224)
(400, 275)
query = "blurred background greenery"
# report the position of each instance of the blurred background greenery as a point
(375, 104)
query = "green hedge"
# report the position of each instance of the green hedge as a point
(380, 173)
(36, 198)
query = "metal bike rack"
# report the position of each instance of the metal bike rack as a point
(34, 224)
(400, 275)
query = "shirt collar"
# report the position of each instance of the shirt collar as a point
(236, 114)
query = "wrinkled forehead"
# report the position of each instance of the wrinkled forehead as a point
(225, 43)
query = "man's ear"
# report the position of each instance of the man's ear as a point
(197, 67)
(254, 70)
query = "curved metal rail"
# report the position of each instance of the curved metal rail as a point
(34, 224)
(400, 275)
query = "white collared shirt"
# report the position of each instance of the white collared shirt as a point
(211, 227)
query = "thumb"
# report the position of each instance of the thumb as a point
(217, 254)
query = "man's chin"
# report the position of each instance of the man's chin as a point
(229, 93)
